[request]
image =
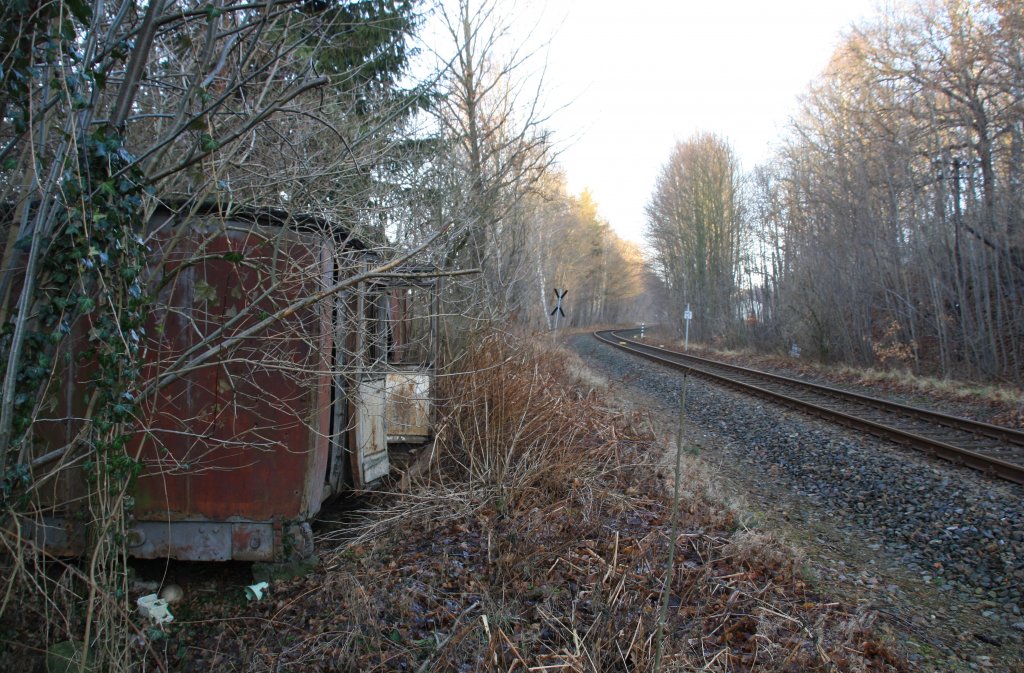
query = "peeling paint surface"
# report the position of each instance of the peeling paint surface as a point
(371, 441)
(408, 406)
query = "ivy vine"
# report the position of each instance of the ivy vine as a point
(89, 303)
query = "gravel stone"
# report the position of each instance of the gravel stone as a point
(955, 527)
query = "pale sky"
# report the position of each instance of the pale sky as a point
(626, 80)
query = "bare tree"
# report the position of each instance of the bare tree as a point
(898, 200)
(693, 223)
(491, 118)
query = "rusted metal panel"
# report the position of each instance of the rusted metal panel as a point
(183, 540)
(252, 542)
(244, 435)
(61, 421)
(408, 409)
(202, 540)
(321, 396)
(235, 446)
(58, 535)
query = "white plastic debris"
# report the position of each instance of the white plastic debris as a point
(155, 609)
(172, 593)
(254, 592)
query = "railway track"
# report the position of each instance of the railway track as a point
(995, 450)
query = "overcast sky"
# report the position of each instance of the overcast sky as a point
(626, 80)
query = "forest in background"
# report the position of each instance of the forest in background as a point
(888, 228)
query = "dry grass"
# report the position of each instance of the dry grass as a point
(930, 385)
(514, 426)
(46, 600)
(540, 541)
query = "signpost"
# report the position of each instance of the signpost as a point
(557, 310)
(687, 316)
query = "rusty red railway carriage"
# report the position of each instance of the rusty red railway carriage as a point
(252, 423)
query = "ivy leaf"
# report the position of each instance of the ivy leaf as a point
(86, 304)
(204, 291)
(208, 142)
(81, 10)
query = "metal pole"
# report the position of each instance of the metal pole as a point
(557, 311)
(686, 343)
(361, 331)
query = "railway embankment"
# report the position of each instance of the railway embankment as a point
(936, 549)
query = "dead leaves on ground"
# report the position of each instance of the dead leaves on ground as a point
(553, 589)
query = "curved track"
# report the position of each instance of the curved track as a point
(990, 448)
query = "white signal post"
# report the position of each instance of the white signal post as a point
(687, 316)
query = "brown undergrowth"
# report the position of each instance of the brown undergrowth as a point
(538, 542)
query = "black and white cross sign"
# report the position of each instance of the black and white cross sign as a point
(559, 296)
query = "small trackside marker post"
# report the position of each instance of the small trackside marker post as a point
(687, 316)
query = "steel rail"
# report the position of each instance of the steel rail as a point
(942, 448)
(1008, 435)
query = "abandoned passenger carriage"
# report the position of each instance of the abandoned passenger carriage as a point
(277, 370)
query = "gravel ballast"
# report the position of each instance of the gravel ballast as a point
(958, 532)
